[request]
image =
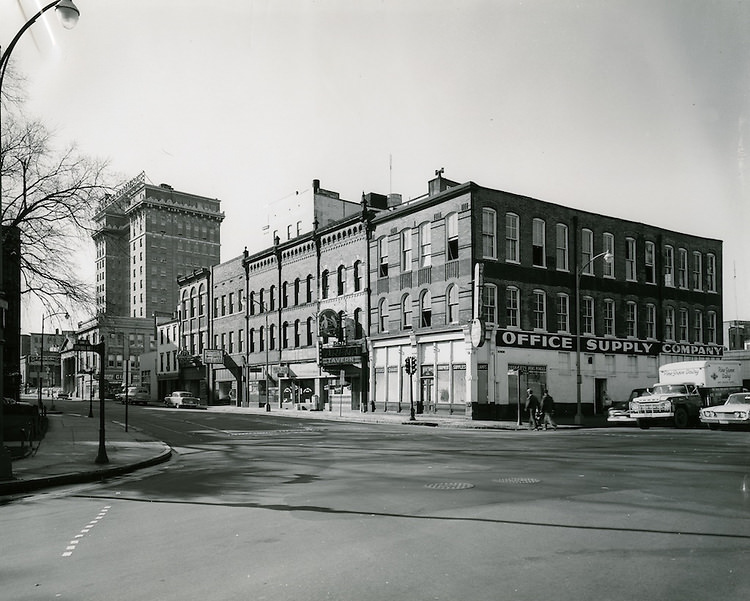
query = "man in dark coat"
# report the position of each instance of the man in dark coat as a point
(548, 408)
(532, 406)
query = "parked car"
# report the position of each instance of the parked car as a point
(180, 399)
(734, 412)
(21, 421)
(135, 396)
(63, 396)
(619, 412)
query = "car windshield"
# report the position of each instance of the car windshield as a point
(670, 388)
(738, 399)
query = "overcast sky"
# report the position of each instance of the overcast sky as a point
(636, 109)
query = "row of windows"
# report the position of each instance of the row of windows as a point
(292, 293)
(424, 246)
(293, 335)
(679, 324)
(678, 268)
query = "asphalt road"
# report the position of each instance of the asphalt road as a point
(268, 507)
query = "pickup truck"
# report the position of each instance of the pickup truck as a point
(683, 388)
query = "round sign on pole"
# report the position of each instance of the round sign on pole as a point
(476, 332)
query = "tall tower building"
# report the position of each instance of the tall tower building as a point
(146, 237)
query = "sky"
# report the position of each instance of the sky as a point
(639, 109)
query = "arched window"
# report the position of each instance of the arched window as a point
(425, 309)
(262, 339)
(383, 315)
(285, 335)
(452, 298)
(296, 333)
(341, 280)
(284, 295)
(342, 326)
(193, 302)
(324, 284)
(202, 300)
(272, 298)
(185, 305)
(251, 340)
(406, 312)
(309, 291)
(261, 301)
(358, 332)
(272, 336)
(251, 303)
(357, 276)
(309, 331)
(296, 291)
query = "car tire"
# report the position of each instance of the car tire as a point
(681, 418)
(713, 426)
(643, 424)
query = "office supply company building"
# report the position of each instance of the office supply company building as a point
(492, 292)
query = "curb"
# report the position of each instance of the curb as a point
(24, 486)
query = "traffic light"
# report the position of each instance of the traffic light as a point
(411, 365)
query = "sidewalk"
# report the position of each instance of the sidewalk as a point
(68, 452)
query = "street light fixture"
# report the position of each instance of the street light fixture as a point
(68, 13)
(607, 256)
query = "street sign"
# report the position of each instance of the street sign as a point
(87, 347)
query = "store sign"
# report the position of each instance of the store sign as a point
(684, 348)
(340, 355)
(565, 342)
(328, 323)
(213, 356)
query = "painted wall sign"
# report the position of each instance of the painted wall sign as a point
(592, 344)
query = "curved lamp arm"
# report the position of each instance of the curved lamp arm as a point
(69, 14)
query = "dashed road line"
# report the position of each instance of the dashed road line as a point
(73, 544)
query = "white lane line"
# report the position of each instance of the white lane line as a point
(73, 544)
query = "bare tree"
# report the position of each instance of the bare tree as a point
(49, 195)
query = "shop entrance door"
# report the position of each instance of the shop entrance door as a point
(425, 394)
(600, 395)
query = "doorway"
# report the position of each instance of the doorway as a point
(425, 394)
(600, 395)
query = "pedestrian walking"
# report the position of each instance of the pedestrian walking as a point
(532, 406)
(548, 408)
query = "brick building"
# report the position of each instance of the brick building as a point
(481, 286)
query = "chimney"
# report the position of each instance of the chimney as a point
(394, 200)
(316, 186)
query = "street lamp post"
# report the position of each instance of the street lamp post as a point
(607, 256)
(41, 361)
(68, 14)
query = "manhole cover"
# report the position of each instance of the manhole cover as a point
(518, 480)
(449, 485)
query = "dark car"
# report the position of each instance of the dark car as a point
(21, 421)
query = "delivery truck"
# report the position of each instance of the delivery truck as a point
(683, 388)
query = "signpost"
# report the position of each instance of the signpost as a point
(86, 347)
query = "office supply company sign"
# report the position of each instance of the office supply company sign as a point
(567, 343)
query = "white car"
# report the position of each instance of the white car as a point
(734, 412)
(183, 399)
